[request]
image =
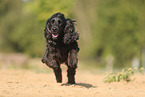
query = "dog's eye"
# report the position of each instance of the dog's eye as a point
(59, 21)
(52, 21)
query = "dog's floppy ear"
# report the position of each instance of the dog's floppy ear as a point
(46, 25)
(70, 35)
(76, 36)
(47, 21)
(46, 30)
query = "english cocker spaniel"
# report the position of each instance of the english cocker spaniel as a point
(62, 46)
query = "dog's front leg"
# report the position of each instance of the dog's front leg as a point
(72, 60)
(44, 59)
(71, 75)
(56, 69)
(72, 65)
(58, 74)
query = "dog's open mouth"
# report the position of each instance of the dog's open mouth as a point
(55, 35)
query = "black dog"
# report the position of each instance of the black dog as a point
(62, 46)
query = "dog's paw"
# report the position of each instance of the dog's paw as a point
(71, 82)
(43, 60)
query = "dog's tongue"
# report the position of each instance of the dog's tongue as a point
(55, 35)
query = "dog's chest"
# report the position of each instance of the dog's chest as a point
(62, 52)
(59, 52)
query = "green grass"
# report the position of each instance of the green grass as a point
(125, 75)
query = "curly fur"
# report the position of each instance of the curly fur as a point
(70, 34)
(62, 46)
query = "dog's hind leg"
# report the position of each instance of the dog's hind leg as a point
(58, 74)
(50, 62)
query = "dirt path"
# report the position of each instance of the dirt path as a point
(23, 83)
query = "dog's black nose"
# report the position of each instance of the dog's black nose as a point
(54, 29)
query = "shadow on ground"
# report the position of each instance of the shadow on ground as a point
(80, 84)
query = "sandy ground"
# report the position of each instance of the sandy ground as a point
(26, 83)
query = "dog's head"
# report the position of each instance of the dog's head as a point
(55, 25)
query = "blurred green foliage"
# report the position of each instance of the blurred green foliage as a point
(106, 27)
(120, 29)
(125, 75)
(22, 24)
